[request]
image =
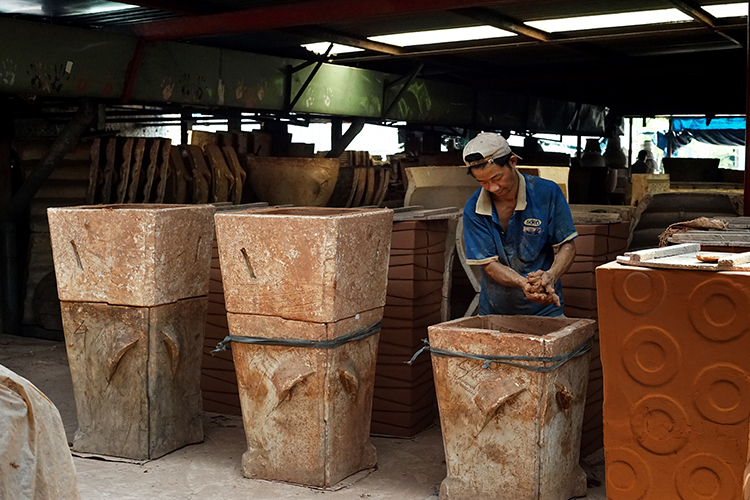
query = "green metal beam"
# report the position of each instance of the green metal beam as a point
(74, 62)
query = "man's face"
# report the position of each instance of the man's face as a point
(501, 181)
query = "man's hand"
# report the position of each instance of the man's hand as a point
(539, 287)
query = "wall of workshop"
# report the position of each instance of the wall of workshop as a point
(47, 60)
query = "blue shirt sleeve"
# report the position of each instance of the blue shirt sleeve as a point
(561, 227)
(479, 241)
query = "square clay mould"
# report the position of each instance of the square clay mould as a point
(135, 255)
(511, 433)
(308, 264)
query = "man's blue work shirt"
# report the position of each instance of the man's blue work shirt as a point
(541, 222)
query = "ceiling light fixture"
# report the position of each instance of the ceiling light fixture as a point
(321, 47)
(442, 36)
(611, 20)
(727, 9)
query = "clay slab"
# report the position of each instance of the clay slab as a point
(134, 255)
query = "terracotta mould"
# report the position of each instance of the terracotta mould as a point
(306, 411)
(136, 376)
(677, 382)
(510, 433)
(136, 255)
(305, 182)
(308, 264)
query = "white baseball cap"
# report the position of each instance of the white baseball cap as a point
(488, 144)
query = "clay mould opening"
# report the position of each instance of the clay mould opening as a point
(311, 212)
(130, 206)
(526, 325)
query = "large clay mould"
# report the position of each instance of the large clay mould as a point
(297, 181)
(310, 264)
(510, 432)
(136, 376)
(677, 382)
(138, 255)
(306, 410)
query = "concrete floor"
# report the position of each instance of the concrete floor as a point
(408, 469)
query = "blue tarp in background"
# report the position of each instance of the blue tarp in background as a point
(720, 131)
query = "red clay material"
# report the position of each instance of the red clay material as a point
(674, 349)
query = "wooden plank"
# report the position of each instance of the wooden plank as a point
(734, 260)
(595, 218)
(151, 171)
(135, 171)
(201, 174)
(640, 256)
(712, 237)
(430, 214)
(94, 171)
(109, 171)
(164, 170)
(122, 186)
(221, 176)
(238, 172)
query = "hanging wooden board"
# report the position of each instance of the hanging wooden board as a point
(94, 171)
(201, 174)
(223, 180)
(151, 170)
(109, 171)
(163, 170)
(179, 186)
(122, 185)
(238, 172)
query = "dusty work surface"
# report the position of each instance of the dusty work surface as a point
(408, 469)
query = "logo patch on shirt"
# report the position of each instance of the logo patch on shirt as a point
(531, 226)
(532, 222)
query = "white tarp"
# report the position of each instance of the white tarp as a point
(35, 462)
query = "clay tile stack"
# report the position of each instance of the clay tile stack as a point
(404, 398)
(596, 244)
(133, 285)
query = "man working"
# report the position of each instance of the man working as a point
(519, 229)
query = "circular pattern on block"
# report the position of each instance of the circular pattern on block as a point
(628, 477)
(651, 356)
(705, 477)
(718, 310)
(722, 394)
(639, 292)
(660, 424)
